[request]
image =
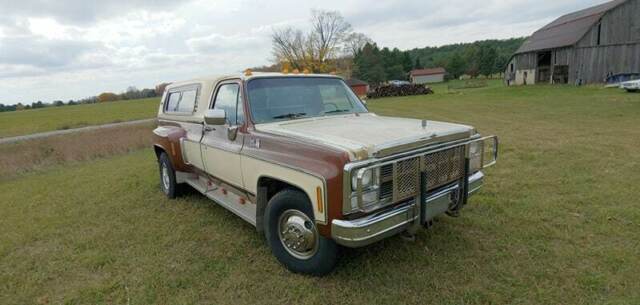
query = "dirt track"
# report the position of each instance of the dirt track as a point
(67, 131)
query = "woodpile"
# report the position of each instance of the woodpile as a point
(403, 90)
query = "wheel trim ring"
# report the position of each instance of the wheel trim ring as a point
(166, 180)
(286, 221)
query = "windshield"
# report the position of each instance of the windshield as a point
(288, 98)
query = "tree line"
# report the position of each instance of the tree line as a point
(132, 93)
(332, 46)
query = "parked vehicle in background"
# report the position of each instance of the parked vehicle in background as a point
(631, 86)
(399, 83)
(615, 80)
(302, 159)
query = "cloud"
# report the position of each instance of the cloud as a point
(75, 48)
(81, 11)
(215, 43)
(43, 53)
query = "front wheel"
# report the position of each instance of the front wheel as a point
(293, 237)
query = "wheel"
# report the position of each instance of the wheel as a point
(167, 176)
(293, 237)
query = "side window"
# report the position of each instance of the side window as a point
(183, 101)
(227, 99)
(172, 102)
(188, 101)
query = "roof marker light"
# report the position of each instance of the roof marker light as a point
(248, 72)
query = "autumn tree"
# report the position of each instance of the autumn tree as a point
(160, 88)
(107, 97)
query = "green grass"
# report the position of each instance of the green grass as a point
(558, 222)
(65, 117)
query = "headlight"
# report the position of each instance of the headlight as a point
(475, 155)
(368, 178)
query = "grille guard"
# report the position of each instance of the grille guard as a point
(360, 168)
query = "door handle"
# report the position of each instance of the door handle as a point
(208, 128)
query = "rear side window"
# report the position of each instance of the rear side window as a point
(182, 101)
(172, 102)
(188, 101)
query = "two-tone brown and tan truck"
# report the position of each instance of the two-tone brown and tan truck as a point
(301, 158)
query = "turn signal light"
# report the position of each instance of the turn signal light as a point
(319, 200)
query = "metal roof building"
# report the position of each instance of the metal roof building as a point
(582, 47)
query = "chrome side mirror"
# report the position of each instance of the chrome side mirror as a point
(215, 117)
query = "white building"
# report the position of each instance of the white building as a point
(427, 76)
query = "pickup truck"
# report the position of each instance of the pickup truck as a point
(631, 86)
(301, 158)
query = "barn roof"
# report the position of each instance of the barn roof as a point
(432, 71)
(568, 29)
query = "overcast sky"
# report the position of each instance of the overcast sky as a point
(70, 49)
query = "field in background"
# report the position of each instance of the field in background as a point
(25, 122)
(37, 154)
(557, 223)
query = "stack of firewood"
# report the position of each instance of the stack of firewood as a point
(404, 90)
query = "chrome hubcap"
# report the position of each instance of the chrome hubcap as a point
(298, 234)
(165, 178)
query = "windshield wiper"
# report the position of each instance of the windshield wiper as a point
(290, 115)
(336, 111)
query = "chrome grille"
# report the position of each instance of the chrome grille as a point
(406, 179)
(400, 180)
(444, 167)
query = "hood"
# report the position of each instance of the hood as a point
(367, 135)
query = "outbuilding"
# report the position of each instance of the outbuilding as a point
(583, 47)
(359, 87)
(427, 76)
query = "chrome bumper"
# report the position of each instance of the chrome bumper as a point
(370, 229)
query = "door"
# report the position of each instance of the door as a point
(221, 145)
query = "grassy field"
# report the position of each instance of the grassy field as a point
(557, 223)
(55, 118)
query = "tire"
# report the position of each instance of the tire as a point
(286, 207)
(167, 176)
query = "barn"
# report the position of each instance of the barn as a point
(427, 76)
(584, 47)
(359, 87)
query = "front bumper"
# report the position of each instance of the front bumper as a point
(370, 229)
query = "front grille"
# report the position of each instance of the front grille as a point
(406, 179)
(444, 167)
(401, 180)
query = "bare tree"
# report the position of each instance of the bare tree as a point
(328, 31)
(288, 45)
(312, 50)
(354, 42)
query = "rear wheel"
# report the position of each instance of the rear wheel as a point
(293, 236)
(167, 176)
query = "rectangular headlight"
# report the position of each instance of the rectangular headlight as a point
(483, 153)
(369, 178)
(475, 155)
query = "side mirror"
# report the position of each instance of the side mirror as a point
(215, 117)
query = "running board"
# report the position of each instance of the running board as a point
(229, 200)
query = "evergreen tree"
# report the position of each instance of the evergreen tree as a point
(418, 64)
(368, 64)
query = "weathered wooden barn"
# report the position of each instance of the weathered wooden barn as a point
(581, 48)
